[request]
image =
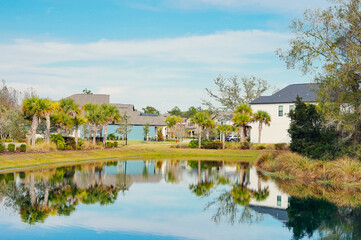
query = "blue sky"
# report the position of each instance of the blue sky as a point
(145, 52)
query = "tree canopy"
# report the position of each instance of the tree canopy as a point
(151, 110)
(232, 92)
(326, 43)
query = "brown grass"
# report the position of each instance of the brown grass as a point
(42, 147)
(343, 170)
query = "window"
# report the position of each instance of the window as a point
(292, 107)
(279, 201)
(280, 111)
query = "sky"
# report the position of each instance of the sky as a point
(160, 53)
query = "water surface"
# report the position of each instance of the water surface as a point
(147, 199)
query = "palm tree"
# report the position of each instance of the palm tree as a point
(224, 129)
(34, 108)
(209, 124)
(50, 108)
(263, 118)
(111, 114)
(202, 120)
(93, 114)
(242, 116)
(171, 121)
(77, 121)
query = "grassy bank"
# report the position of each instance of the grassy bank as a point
(148, 150)
(288, 164)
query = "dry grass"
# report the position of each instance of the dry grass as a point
(42, 147)
(88, 145)
(343, 170)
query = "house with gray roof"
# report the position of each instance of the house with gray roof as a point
(136, 118)
(278, 105)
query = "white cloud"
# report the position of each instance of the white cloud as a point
(161, 72)
(246, 5)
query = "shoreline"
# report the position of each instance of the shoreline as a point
(134, 150)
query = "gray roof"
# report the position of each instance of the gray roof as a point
(306, 91)
(83, 99)
(139, 119)
(136, 118)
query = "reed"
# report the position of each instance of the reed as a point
(343, 170)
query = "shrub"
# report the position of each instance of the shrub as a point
(8, 140)
(111, 136)
(39, 140)
(233, 145)
(2, 147)
(68, 147)
(23, 148)
(80, 144)
(61, 145)
(281, 146)
(259, 146)
(212, 145)
(11, 147)
(56, 137)
(109, 144)
(100, 144)
(246, 145)
(115, 144)
(70, 141)
(193, 144)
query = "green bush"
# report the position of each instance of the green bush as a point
(60, 145)
(212, 145)
(193, 144)
(115, 144)
(8, 140)
(246, 145)
(80, 144)
(261, 146)
(2, 147)
(109, 144)
(111, 136)
(100, 144)
(11, 147)
(56, 137)
(281, 146)
(23, 148)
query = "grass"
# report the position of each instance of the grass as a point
(135, 149)
(343, 170)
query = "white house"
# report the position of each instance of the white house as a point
(278, 106)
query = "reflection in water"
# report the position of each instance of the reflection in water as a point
(236, 194)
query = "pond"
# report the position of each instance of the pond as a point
(145, 199)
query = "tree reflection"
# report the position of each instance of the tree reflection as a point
(203, 187)
(44, 193)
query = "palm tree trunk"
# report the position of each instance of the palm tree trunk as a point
(101, 131)
(224, 140)
(105, 133)
(243, 136)
(90, 131)
(47, 133)
(199, 138)
(32, 190)
(207, 133)
(94, 132)
(259, 132)
(34, 127)
(76, 133)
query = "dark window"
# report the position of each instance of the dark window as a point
(280, 111)
(279, 201)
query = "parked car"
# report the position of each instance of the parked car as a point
(231, 138)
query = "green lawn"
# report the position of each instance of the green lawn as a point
(135, 149)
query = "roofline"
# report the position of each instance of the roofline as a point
(278, 102)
